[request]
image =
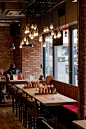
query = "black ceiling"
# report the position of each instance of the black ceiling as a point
(36, 8)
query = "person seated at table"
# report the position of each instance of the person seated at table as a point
(12, 70)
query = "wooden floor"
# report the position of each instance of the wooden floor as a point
(8, 120)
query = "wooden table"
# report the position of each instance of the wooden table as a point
(47, 98)
(80, 123)
(5, 83)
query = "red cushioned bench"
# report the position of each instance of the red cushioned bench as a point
(70, 91)
(72, 107)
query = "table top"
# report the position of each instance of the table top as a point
(47, 99)
(4, 82)
(80, 123)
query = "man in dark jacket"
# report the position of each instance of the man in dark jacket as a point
(12, 70)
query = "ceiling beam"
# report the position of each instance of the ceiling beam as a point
(12, 0)
(27, 7)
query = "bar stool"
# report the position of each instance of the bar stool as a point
(14, 98)
(24, 111)
(19, 105)
(29, 113)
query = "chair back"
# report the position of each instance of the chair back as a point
(48, 79)
(34, 110)
(42, 123)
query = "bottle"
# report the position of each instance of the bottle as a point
(39, 89)
(52, 88)
(20, 76)
(48, 88)
(45, 88)
(42, 89)
(27, 84)
(7, 77)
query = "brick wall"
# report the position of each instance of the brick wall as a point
(6, 55)
(31, 56)
(82, 65)
(16, 52)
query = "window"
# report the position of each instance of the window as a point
(75, 59)
(63, 56)
(49, 56)
(61, 60)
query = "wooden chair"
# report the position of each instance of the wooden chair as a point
(42, 123)
(49, 117)
(29, 110)
(48, 79)
(14, 98)
(23, 110)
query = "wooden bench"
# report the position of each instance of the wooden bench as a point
(70, 91)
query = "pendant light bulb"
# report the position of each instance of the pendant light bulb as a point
(51, 26)
(44, 44)
(27, 42)
(52, 32)
(25, 39)
(35, 26)
(54, 35)
(22, 42)
(27, 30)
(27, 24)
(47, 29)
(32, 26)
(36, 32)
(44, 30)
(30, 34)
(40, 38)
(58, 34)
(20, 46)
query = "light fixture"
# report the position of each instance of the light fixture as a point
(47, 29)
(30, 34)
(32, 37)
(12, 46)
(27, 42)
(24, 38)
(20, 46)
(52, 32)
(32, 26)
(40, 38)
(35, 26)
(51, 26)
(36, 32)
(54, 35)
(44, 44)
(58, 34)
(26, 30)
(44, 30)
(22, 42)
